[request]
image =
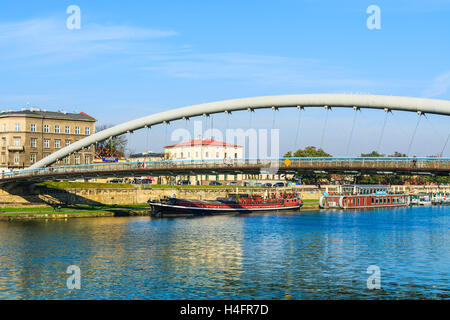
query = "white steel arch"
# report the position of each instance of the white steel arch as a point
(420, 105)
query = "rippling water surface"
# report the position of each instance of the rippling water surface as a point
(308, 255)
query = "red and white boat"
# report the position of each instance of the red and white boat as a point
(230, 204)
(363, 196)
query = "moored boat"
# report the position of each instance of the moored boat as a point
(242, 203)
(363, 196)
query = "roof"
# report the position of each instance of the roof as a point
(203, 142)
(48, 114)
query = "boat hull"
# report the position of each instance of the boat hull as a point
(162, 208)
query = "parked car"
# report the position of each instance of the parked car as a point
(146, 181)
(184, 182)
(247, 184)
(278, 185)
(232, 183)
(215, 183)
(267, 185)
(258, 184)
(115, 181)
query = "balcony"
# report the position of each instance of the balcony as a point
(16, 148)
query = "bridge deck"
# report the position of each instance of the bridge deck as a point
(408, 166)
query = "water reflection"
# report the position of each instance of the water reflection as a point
(312, 255)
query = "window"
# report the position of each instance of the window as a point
(67, 129)
(235, 155)
(67, 160)
(67, 143)
(46, 143)
(57, 129)
(77, 159)
(32, 158)
(33, 142)
(16, 142)
(33, 127)
(57, 144)
(206, 154)
(4, 141)
(16, 158)
(217, 154)
(3, 158)
(17, 127)
(4, 127)
(77, 130)
(87, 159)
(46, 128)
(87, 131)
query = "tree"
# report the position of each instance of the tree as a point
(111, 147)
(311, 178)
(372, 154)
(309, 152)
(398, 154)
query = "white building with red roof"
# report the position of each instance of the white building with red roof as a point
(203, 149)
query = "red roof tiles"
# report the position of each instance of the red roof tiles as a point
(204, 142)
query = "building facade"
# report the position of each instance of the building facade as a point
(205, 149)
(29, 135)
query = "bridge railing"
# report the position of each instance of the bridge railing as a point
(208, 163)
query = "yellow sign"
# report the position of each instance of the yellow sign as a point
(287, 162)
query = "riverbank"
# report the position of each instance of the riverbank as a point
(47, 212)
(29, 213)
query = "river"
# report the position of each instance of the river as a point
(307, 255)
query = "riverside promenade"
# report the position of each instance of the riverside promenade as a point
(132, 195)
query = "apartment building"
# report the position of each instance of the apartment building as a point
(29, 135)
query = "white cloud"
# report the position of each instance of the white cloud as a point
(255, 68)
(439, 86)
(47, 37)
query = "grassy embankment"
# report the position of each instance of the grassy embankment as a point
(105, 209)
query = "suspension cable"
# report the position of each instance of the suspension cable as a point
(436, 132)
(414, 133)
(166, 124)
(351, 131)
(299, 120)
(211, 128)
(324, 127)
(445, 145)
(274, 117)
(382, 130)
(148, 131)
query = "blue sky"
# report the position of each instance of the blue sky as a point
(134, 58)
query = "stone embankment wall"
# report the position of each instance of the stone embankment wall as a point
(24, 197)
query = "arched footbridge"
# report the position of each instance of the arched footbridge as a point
(355, 101)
